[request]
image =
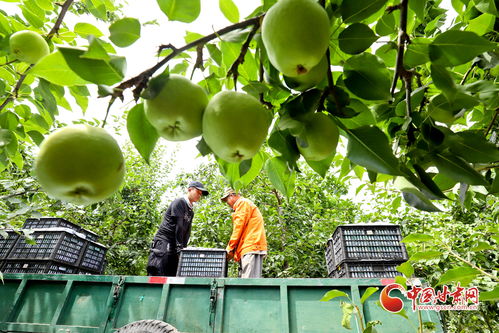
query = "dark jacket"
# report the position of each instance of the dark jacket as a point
(176, 225)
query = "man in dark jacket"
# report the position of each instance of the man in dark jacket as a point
(174, 232)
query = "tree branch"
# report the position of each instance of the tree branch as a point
(403, 38)
(455, 255)
(58, 22)
(26, 191)
(199, 60)
(400, 71)
(13, 94)
(492, 122)
(244, 49)
(468, 72)
(140, 81)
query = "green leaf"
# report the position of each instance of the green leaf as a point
(426, 255)
(417, 238)
(9, 120)
(481, 246)
(321, 167)
(443, 81)
(203, 147)
(45, 96)
(32, 15)
(347, 309)
(95, 70)
(368, 146)
(242, 174)
(281, 175)
(358, 10)
(402, 280)
(364, 117)
(155, 85)
(180, 10)
(285, 144)
(5, 137)
(429, 186)
(417, 199)
(333, 294)
(473, 147)
(370, 326)
(95, 50)
(494, 188)
(463, 274)
(367, 77)
(54, 69)
(369, 291)
(230, 10)
(455, 47)
(356, 38)
(486, 6)
(36, 136)
(254, 169)
(386, 25)
(456, 168)
(125, 32)
(482, 24)
(417, 53)
(45, 4)
(491, 296)
(406, 269)
(388, 53)
(418, 7)
(80, 94)
(86, 29)
(142, 134)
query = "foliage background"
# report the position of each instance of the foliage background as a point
(439, 125)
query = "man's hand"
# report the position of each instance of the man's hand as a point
(230, 254)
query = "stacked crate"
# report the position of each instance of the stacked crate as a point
(58, 247)
(365, 251)
(202, 262)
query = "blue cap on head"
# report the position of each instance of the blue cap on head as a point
(199, 186)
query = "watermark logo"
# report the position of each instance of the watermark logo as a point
(430, 299)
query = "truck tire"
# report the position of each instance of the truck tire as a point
(147, 326)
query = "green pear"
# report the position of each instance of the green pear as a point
(28, 46)
(177, 110)
(235, 125)
(321, 136)
(308, 80)
(296, 35)
(80, 164)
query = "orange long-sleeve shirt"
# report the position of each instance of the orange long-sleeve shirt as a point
(248, 233)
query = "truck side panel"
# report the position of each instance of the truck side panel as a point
(102, 304)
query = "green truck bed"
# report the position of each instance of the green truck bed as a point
(93, 303)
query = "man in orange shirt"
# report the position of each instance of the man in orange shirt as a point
(247, 244)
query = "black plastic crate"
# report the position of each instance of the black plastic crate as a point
(93, 259)
(6, 244)
(49, 222)
(372, 269)
(56, 244)
(202, 262)
(374, 242)
(38, 267)
(57, 222)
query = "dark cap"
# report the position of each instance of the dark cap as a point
(226, 194)
(199, 186)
